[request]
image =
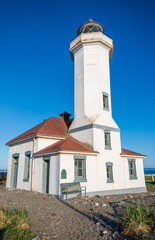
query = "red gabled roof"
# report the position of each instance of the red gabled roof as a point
(69, 144)
(53, 126)
(131, 153)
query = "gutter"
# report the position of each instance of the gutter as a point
(65, 152)
(32, 172)
(133, 156)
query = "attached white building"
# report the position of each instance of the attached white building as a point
(86, 149)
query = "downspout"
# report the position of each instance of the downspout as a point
(33, 171)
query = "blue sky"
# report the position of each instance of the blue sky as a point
(37, 75)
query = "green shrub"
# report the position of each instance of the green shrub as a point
(138, 221)
(150, 185)
(14, 225)
(97, 196)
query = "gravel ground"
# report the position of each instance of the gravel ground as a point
(79, 218)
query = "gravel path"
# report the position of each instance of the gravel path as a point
(78, 218)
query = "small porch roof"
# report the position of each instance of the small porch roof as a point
(69, 144)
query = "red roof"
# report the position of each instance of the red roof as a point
(69, 144)
(53, 126)
(131, 153)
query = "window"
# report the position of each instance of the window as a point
(27, 166)
(105, 101)
(107, 140)
(109, 172)
(132, 169)
(63, 174)
(80, 168)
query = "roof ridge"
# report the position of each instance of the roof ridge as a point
(64, 140)
(44, 123)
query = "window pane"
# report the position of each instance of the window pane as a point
(80, 164)
(107, 139)
(27, 166)
(108, 174)
(131, 165)
(131, 171)
(75, 168)
(105, 101)
(80, 172)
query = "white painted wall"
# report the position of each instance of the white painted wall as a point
(53, 176)
(85, 136)
(44, 142)
(67, 163)
(97, 177)
(140, 182)
(20, 148)
(38, 169)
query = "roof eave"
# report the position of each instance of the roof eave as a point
(66, 152)
(20, 140)
(59, 137)
(135, 156)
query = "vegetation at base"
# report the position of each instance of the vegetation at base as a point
(138, 222)
(97, 196)
(150, 185)
(148, 178)
(14, 224)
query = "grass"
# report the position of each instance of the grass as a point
(138, 222)
(150, 186)
(14, 224)
(148, 178)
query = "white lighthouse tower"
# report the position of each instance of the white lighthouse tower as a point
(91, 51)
(93, 123)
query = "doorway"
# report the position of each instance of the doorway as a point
(46, 175)
(14, 174)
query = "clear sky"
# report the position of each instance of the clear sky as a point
(37, 75)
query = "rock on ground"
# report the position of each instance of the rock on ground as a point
(79, 218)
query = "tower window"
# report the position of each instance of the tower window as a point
(109, 170)
(105, 101)
(107, 140)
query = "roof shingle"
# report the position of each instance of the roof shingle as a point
(53, 126)
(131, 153)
